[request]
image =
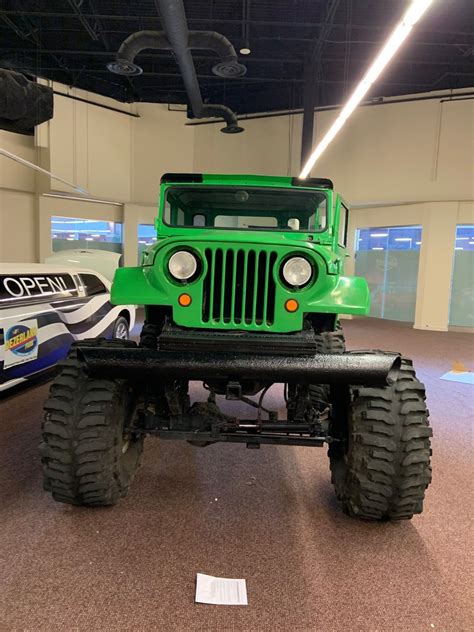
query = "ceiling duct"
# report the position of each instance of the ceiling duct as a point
(180, 40)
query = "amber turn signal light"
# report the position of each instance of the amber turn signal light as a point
(291, 305)
(184, 300)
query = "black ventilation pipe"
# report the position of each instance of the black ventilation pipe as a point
(180, 40)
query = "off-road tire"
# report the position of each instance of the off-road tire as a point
(327, 342)
(381, 469)
(86, 458)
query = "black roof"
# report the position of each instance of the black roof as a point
(72, 40)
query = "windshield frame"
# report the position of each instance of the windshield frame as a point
(323, 192)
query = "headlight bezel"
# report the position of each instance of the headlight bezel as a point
(311, 270)
(196, 271)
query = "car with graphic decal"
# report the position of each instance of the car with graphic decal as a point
(45, 308)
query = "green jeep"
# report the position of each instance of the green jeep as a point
(243, 289)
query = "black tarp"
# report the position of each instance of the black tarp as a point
(23, 103)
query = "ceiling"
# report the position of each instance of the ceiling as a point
(71, 41)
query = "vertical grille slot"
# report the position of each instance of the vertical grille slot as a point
(271, 291)
(219, 280)
(228, 272)
(250, 287)
(239, 287)
(207, 286)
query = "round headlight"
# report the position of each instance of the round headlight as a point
(297, 271)
(182, 265)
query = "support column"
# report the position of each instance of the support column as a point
(436, 266)
(130, 238)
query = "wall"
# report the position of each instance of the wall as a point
(17, 200)
(397, 152)
(91, 146)
(18, 226)
(268, 146)
(161, 142)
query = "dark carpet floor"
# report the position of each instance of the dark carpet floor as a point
(267, 515)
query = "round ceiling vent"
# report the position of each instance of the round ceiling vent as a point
(229, 70)
(232, 129)
(124, 67)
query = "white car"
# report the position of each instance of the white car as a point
(101, 261)
(44, 308)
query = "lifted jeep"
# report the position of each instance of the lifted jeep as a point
(242, 289)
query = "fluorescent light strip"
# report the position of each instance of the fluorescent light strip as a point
(396, 39)
(27, 163)
(379, 234)
(377, 248)
(403, 238)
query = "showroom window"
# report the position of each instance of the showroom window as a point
(388, 258)
(74, 232)
(461, 312)
(146, 237)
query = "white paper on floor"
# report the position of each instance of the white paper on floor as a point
(221, 591)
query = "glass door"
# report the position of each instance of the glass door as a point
(388, 257)
(461, 313)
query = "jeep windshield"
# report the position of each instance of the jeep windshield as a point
(251, 208)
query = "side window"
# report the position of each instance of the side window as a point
(93, 285)
(343, 225)
(318, 220)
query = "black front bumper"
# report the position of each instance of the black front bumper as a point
(139, 364)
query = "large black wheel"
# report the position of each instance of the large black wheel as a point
(88, 452)
(381, 463)
(327, 342)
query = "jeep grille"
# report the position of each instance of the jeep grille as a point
(239, 288)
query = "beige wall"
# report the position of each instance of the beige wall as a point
(91, 146)
(13, 175)
(398, 152)
(18, 226)
(17, 200)
(161, 143)
(268, 146)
